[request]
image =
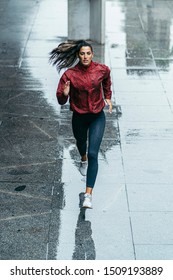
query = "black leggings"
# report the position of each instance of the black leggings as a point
(91, 125)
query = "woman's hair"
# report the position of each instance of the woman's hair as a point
(65, 55)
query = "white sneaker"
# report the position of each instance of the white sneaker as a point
(83, 167)
(87, 200)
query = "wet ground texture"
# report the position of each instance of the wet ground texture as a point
(41, 189)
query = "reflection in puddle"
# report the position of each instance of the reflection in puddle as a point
(84, 244)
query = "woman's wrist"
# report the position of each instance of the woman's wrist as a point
(65, 93)
(66, 88)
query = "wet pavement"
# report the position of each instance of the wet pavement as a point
(41, 189)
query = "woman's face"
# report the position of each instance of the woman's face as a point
(85, 56)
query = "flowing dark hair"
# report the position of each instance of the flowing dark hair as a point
(65, 55)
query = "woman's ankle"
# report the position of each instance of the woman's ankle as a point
(89, 190)
(84, 158)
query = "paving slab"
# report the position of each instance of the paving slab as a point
(150, 197)
(152, 227)
(154, 252)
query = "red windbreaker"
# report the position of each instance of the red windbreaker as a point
(86, 87)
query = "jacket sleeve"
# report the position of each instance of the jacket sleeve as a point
(62, 99)
(106, 83)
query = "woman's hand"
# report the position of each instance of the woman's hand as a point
(109, 103)
(66, 88)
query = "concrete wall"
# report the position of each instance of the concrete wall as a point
(78, 19)
(86, 20)
(97, 20)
